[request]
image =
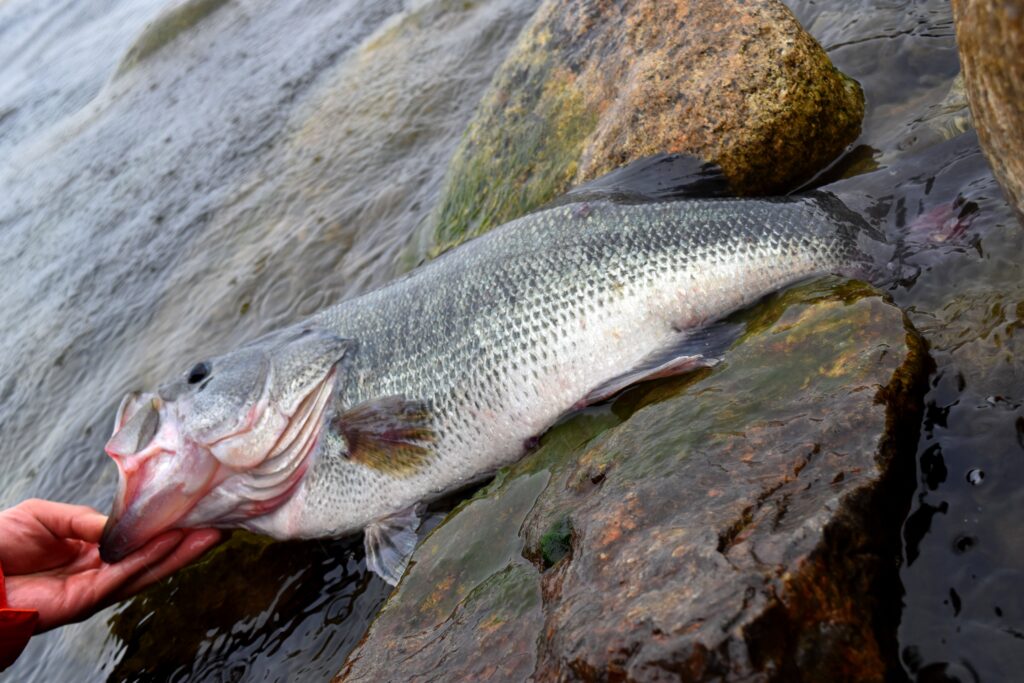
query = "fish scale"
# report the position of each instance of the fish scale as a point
(504, 334)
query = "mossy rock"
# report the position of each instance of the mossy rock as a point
(990, 37)
(592, 86)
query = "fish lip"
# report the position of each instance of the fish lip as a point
(113, 549)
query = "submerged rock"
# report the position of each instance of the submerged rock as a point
(740, 524)
(592, 86)
(990, 36)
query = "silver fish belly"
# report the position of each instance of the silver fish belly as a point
(445, 373)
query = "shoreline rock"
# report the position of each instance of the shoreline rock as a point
(990, 39)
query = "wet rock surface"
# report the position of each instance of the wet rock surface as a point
(592, 86)
(990, 36)
(739, 524)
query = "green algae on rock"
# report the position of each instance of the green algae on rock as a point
(484, 587)
(739, 523)
(591, 87)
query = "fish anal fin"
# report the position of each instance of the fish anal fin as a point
(687, 351)
(675, 366)
(389, 543)
(391, 434)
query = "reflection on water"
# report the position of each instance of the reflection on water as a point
(962, 612)
(280, 622)
(266, 159)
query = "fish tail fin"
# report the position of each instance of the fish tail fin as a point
(916, 206)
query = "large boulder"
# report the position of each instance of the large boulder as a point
(739, 525)
(990, 36)
(591, 86)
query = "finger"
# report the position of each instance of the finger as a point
(68, 521)
(195, 543)
(111, 577)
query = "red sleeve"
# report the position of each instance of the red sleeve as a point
(16, 627)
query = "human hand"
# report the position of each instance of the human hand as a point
(50, 557)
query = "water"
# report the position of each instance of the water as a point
(270, 158)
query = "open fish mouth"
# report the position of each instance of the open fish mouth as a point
(168, 480)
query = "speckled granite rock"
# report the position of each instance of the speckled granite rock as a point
(990, 35)
(594, 85)
(739, 525)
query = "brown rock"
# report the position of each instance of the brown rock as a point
(738, 526)
(990, 36)
(593, 85)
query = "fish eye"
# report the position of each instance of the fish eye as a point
(199, 372)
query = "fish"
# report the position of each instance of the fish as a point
(352, 419)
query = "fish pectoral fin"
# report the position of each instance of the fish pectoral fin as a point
(686, 352)
(392, 434)
(389, 543)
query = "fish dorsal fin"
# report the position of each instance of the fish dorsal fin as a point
(389, 543)
(684, 352)
(658, 178)
(391, 434)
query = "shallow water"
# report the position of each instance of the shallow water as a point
(271, 158)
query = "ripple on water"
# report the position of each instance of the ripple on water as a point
(264, 161)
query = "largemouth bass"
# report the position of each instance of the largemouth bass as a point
(350, 419)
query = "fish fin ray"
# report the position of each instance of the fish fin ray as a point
(657, 178)
(686, 352)
(389, 543)
(392, 434)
